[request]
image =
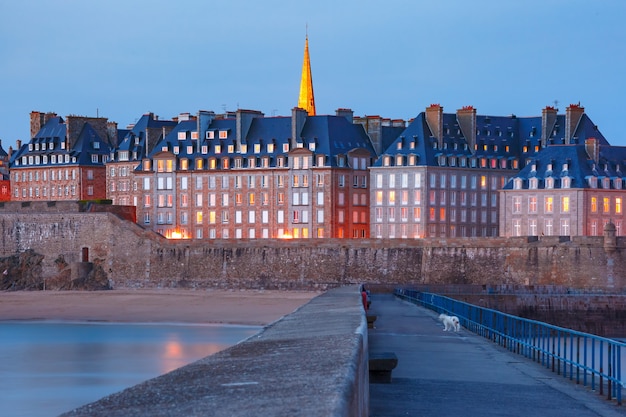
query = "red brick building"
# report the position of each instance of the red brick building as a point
(64, 160)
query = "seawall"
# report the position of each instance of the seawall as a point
(310, 362)
(61, 247)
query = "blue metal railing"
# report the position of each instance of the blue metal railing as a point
(591, 360)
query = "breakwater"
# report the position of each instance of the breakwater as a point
(311, 362)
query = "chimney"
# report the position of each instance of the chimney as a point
(112, 135)
(466, 117)
(573, 114)
(347, 113)
(548, 120)
(37, 120)
(298, 118)
(243, 122)
(592, 147)
(434, 120)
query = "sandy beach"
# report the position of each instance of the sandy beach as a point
(143, 306)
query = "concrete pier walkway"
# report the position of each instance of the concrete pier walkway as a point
(461, 374)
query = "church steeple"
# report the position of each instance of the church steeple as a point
(306, 100)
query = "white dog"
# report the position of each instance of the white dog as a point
(450, 322)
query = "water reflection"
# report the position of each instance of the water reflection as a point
(48, 368)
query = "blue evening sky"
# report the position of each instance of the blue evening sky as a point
(122, 58)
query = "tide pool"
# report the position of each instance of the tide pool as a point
(47, 368)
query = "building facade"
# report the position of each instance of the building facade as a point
(64, 160)
(135, 144)
(253, 176)
(441, 177)
(567, 190)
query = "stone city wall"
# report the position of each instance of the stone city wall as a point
(122, 254)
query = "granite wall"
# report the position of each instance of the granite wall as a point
(125, 255)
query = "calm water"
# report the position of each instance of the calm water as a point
(50, 368)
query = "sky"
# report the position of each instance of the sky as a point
(121, 59)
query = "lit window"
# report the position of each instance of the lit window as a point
(548, 204)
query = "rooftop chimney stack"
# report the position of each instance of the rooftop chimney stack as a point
(573, 114)
(592, 146)
(466, 117)
(298, 118)
(548, 121)
(434, 120)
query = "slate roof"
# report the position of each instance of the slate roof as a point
(48, 141)
(573, 161)
(134, 140)
(522, 135)
(332, 135)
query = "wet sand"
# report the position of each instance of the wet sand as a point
(146, 306)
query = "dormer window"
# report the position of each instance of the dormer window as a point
(210, 134)
(617, 183)
(386, 161)
(517, 183)
(593, 182)
(399, 160)
(182, 135)
(549, 182)
(566, 182)
(223, 134)
(533, 167)
(533, 183)
(194, 135)
(257, 148)
(606, 183)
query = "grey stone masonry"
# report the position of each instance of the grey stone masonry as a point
(312, 362)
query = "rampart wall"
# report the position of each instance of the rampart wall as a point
(122, 254)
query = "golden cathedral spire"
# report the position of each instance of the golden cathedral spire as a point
(306, 100)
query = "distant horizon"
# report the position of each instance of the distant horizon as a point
(120, 60)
